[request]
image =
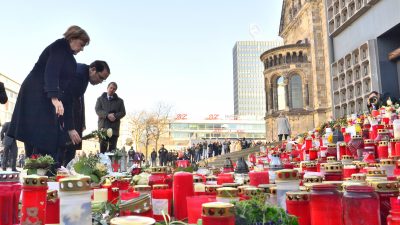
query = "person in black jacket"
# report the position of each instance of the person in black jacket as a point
(3, 94)
(111, 109)
(95, 73)
(10, 149)
(38, 118)
(153, 157)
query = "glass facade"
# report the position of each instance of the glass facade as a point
(248, 77)
(220, 129)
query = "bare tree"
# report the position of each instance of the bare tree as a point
(161, 113)
(137, 122)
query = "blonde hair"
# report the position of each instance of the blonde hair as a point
(76, 32)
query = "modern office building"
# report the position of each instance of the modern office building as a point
(12, 89)
(248, 79)
(296, 75)
(182, 132)
(363, 35)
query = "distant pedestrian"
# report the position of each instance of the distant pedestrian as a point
(283, 127)
(153, 157)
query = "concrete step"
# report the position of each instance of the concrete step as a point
(219, 161)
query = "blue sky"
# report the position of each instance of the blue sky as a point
(173, 51)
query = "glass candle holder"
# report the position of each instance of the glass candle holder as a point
(347, 159)
(331, 150)
(75, 201)
(308, 142)
(397, 148)
(140, 206)
(313, 153)
(348, 170)
(388, 165)
(383, 135)
(195, 206)
(53, 207)
(325, 205)
(342, 149)
(257, 178)
(333, 172)
(10, 191)
(182, 188)
(218, 213)
(298, 204)
(161, 201)
(385, 191)
(286, 180)
(123, 220)
(360, 206)
(34, 199)
(356, 145)
(383, 152)
(227, 194)
(158, 175)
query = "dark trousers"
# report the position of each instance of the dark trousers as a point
(280, 136)
(67, 154)
(10, 156)
(108, 145)
(153, 162)
(28, 150)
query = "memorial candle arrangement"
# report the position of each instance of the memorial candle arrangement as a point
(325, 205)
(286, 180)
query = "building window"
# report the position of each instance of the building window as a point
(281, 92)
(296, 92)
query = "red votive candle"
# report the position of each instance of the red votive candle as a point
(218, 213)
(347, 137)
(308, 143)
(53, 207)
(182, 187)
(342, 149)
(348, 170)
(225, 178)
(360, 206)
(383, 152)
(325, 205)
(298, 204)
(385, 191)
(195, 206)
(158, 175)
(257, 178)
(313, 154)
(34, 200)
(10, 190)
(397, 148)
(333, 172)
(331, 150)
(161, 201)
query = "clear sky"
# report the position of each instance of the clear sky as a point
(173, 51)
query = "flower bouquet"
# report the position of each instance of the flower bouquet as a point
(91, 166)
(101, 134)
(38, 164)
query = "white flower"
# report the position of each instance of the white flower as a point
(109, 132)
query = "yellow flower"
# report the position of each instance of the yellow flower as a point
(330, 138)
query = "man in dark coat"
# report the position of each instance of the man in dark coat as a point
(110, 109)
(95, 73)
(36, 120)
(153, 157)
(10, 149)
(162, 155)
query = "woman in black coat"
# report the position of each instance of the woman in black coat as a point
(38, 115)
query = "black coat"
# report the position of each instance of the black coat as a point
(34, 120)
(104, 107)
